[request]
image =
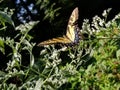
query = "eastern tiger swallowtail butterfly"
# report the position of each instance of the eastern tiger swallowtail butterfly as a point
(72, 33)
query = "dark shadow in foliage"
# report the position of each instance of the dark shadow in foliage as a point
(10, 32)
(42, 31)
(4, 58)
(68, 86)
(89, 60)
(65, 58)
(25, 58)
(2, 61)
(90, 8)
(36, 51)
(15, 80)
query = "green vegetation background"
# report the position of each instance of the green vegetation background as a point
(92, 65)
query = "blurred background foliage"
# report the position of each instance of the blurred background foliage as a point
(93, 64)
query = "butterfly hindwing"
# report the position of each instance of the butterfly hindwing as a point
(72, 31)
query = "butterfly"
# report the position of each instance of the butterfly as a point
(72, 36)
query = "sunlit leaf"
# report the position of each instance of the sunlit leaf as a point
(2, 48)
(4, 17)
(118, 54)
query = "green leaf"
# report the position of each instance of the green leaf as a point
(4, 17)
(118, 54)
(2, 49)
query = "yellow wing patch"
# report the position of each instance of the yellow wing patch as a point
(70, 28)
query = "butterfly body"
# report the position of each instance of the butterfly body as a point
(72, 35)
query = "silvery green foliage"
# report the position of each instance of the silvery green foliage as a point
(6, 16)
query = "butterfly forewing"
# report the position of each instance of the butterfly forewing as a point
(62, 40)
(71, 26)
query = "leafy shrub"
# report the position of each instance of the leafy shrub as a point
(93, 64)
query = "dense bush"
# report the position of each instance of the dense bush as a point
(93, 64)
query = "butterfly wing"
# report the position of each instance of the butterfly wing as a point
(58, 40)
(71, 34)
(72, 28)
